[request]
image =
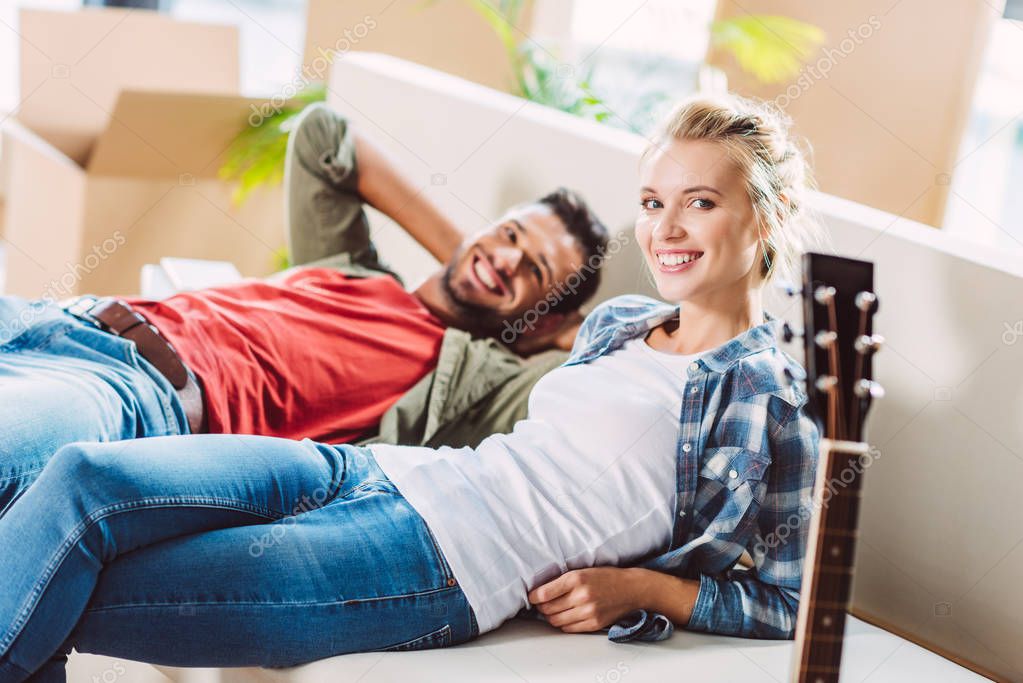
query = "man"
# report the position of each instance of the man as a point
(335, 350)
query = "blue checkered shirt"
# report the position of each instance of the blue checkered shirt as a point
(746, 464)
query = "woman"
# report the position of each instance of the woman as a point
(667, 445)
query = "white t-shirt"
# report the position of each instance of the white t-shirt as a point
(588, 479)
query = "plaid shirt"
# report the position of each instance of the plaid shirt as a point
(746, 464)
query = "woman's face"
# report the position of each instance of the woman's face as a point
(696, 224)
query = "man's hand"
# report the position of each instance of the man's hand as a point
(584, 600)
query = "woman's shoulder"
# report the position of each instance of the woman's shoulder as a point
(630, 306)
(615, 317)
(770, 373)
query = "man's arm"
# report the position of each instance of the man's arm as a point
(331, 173)
(387, 190)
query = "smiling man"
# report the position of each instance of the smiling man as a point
(334, 349)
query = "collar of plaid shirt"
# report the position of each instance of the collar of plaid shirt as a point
(746, 462)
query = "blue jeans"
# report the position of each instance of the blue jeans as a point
(62, 381)
(218, 550)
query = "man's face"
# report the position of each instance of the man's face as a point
(506, 269)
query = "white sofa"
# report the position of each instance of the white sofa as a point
(939, 510)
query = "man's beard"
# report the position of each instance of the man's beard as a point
(477, 319)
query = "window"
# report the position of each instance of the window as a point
(271, 34)
(644, 55)
(10, 47)
(985, 202)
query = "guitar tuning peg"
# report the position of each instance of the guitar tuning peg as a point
(867, 387)
(865, 301)
(825, 338)
(826, 383)
(824, 294)
(868, 343)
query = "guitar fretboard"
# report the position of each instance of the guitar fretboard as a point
(831, 548)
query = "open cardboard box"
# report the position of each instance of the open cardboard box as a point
(111, 162)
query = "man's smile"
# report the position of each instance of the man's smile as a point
(485, 276)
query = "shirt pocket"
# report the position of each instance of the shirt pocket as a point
(730, 490)
(733, 466)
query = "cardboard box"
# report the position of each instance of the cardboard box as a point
(448, 35)
(112, 160)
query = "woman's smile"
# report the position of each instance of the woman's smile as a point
(676, 260)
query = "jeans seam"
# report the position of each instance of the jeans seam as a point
(21, 475)
(414, 594)
(442, 635)
(445, 568)
(368, 487)
(49, 340)
(474, 625)
(267, 603)
(31, 601)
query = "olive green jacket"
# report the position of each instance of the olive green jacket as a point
(479, 387)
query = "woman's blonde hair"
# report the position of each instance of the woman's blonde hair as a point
(756, 136)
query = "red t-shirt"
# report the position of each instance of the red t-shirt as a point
(318, 354)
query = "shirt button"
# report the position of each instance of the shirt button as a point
(694, 390)
(681, 513)
(686, 448)
(732, 474)
(694, 366)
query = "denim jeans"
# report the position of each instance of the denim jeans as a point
(63, 380)
(218, 550)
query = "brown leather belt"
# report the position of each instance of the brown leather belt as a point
(120, 319)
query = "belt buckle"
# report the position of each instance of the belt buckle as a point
(80, 306)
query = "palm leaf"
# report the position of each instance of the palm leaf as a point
(770, 48)
(256, 155)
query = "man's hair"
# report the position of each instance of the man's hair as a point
(592, 236)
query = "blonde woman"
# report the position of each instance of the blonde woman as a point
(667, 445)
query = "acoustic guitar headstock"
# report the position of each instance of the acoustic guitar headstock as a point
(838, 315)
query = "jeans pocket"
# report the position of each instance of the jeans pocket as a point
(438, 638)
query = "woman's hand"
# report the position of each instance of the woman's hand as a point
(584, 600)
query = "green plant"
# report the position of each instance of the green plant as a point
(256, 155)
(542, 80)
(770, 48)
(538, 75)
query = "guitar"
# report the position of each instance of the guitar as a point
(838, 309)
